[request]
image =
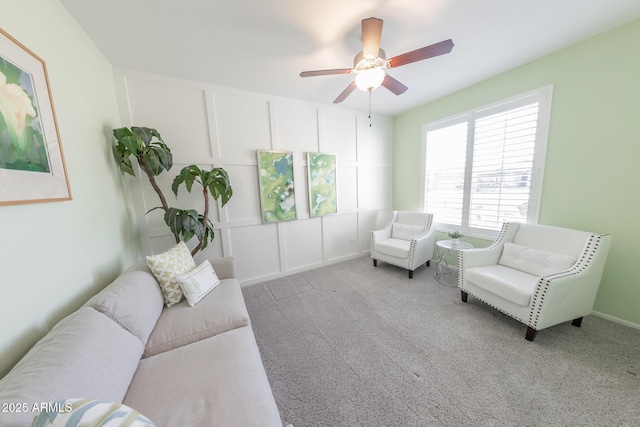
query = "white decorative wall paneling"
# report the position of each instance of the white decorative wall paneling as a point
(214, 126)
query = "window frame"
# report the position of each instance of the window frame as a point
(544, 97)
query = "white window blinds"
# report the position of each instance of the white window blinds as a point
(445, 172)
(484, 167)
(503, 152)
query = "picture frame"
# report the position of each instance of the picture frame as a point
(32, 166)
(322, 182)
(276, 184)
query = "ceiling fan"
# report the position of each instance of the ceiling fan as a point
(370, 63)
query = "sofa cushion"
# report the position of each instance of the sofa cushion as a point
(221, 310)
(197, 283)
(406, 231)
(220, 382)
(133, 300)
(167, 266)
(85, 355)
(508, 283)
(394, 247)
(534, 261)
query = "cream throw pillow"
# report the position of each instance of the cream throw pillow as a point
(406, 231)
(534, 261)
(167, 266)
(197, 283)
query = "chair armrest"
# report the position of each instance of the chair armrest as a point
(224, 267)
(423, 245)
(382, 234)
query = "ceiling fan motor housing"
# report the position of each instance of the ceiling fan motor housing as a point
(361, 63)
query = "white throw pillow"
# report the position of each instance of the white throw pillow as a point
(406, 231)
(167, 266)
(534, 261)
(197, 283)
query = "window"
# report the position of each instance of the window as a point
(484, 167)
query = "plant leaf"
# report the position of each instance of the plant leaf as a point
(170, 218)
(131, 143)
(153, 161)
(164, 154)
(126, 166)
(184, 223)
(157, 135)
(120, 133)
(144, 134)
(122, 157)
(220, 186)
(186, 175)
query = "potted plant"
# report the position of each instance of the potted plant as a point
(455, 235)
(153, 156)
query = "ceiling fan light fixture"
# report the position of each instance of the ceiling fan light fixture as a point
(369, 79)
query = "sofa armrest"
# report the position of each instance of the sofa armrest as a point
(468, 258)
(570, 294)
(224, 267)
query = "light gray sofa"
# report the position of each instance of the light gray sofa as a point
(178, 366)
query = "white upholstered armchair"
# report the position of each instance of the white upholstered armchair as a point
(540, 275)
(407, 241)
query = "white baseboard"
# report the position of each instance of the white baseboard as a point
(616, 319)
(326, 263)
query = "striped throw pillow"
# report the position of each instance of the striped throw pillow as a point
(89, 413)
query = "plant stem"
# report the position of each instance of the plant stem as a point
(205, 194)
(147, 169)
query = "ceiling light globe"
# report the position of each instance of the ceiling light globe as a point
(369, 79)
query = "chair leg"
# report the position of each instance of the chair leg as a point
(375, 262)
(577, 322)
(410, 274)
(531, 334)
(464, 296)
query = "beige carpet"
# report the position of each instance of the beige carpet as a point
(354, 345)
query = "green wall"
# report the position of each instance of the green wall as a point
(591, 180)
(54, 256)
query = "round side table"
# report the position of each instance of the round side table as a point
(443, 249)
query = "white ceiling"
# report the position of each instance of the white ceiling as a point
(262, 45)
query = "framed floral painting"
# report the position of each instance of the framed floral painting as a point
(32, 168)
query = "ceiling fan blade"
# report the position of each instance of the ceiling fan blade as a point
(371, 35)
(422, 53)
(345, 93)
(393, 85)
(325, 72)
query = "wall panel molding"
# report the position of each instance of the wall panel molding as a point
(226, 127)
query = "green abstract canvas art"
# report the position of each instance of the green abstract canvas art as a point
(277, 196)
(323, 198)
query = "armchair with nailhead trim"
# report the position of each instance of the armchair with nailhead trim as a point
(538, 274)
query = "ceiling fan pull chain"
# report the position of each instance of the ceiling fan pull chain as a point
(370, 107)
